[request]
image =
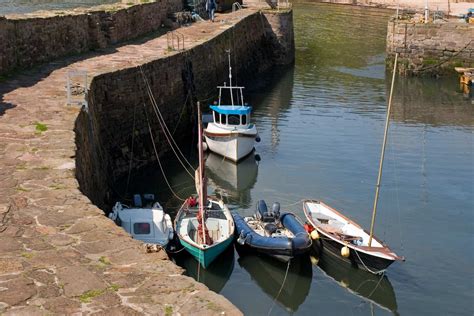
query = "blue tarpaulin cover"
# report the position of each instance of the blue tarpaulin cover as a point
(229, 109)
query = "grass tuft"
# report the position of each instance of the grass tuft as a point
(87, 297)
(40, 127)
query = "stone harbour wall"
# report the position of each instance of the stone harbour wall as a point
(31, 39)
(59, 254)
(118, 100)
(430, 48)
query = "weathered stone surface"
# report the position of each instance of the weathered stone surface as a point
(26, 311)
(77, 280)
(62, 305)
(59, 254)
(39, 37)
(430, 48)
(17, 291)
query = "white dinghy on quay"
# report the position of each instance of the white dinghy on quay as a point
(230, 133)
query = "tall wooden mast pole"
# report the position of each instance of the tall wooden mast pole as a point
(382, 155)
(202, 184)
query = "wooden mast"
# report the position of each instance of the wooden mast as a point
(202, 190)
(382, 155)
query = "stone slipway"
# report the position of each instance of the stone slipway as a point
(59, 254)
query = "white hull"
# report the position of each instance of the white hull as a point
(148, 224)
(234, 144)
(232, 147)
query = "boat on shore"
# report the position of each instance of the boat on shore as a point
(230, 132)
(145, 220)
(204, 224)
(279, 236)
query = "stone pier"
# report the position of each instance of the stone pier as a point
(59, 254)
(431, 48)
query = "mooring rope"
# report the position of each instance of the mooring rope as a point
(281, 288)
(131, 153)
(367, 268)
(158, 158)
(164, 127)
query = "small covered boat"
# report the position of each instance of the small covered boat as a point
(145, 220)
(204, 225)
(346, 239)
(280, 236)
(230, 133)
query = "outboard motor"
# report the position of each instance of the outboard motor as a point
(276, 209)
(263, 214)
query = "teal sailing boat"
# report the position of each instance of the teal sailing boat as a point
(204, 225)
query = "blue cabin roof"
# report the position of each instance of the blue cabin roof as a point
(229, 109)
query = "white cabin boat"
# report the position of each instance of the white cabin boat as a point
(230, 133)
(148, 223)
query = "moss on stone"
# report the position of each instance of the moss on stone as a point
(87, 297)
(27, 255)
(104, 260)
(168, 310)
(430, 61)
(113, 287)
(40, 127)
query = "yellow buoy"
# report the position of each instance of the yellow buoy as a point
(345, 252)
(314, 234)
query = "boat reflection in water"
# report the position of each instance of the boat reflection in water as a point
(269, 275)
(230, 180)
(216, 275)
(372, 288)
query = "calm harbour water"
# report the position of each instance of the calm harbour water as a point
(321, 124)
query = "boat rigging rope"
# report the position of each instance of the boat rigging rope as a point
(164, 127)
(158, 157)
(397, 193)
(367, 268)
(281, 288)
(181, 114)
(131, 152)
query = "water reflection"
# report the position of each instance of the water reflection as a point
(436, 102)
(233, 182)
(216, 275)
(375, 289)
(269, 275)
(271, 105)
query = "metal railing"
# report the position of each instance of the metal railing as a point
(236, 6)
(175, 40)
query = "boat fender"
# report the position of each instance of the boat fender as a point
(314, 260)
(276, 209)
(257, 139)
(192, 202)
(241, 239)
(345, 252)
(257, 158)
